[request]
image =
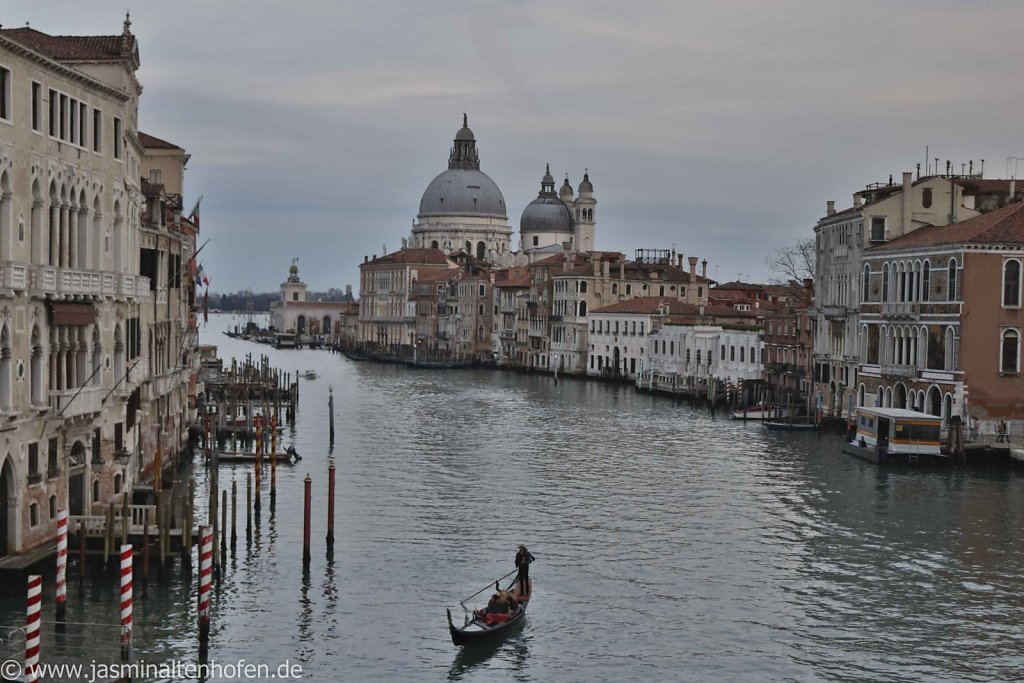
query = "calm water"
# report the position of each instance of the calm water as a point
(670, 545)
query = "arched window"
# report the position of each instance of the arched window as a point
(732, 353)
(885, 282)
(1011, 283)
(951, 286)
(925, 280)
(723, 351)
(583, 308)
(117, 484)
(583, 287)
(5, 371)
(926, 199)
(866, 294)
(433, 244)
(661, 290)
(1010, 355)
(741, 354)
(615, 288)
(96, 491)
(481, 250)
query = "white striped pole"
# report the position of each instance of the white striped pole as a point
(205, 577)
(126, 600)
(35, 600)
(62, 563)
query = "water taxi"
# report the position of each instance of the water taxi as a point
(897, 435)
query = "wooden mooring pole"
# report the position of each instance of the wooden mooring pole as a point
(330, 509)
(234, 513)
(305, 523)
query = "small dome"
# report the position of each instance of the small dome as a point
(546, 214)
(566, 189)
(585, 186)
(547, 179)
(465, 133)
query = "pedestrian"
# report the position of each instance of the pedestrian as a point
(523, 560)
(1001, 432)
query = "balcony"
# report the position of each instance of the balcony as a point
(87, 401)
(904, 309)
(159, 386)
(899, 371)
(14, 276)
(834, 312)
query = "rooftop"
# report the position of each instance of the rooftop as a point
(1000, 226)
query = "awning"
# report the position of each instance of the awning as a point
(73, 314)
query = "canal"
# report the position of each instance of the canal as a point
(670, 544)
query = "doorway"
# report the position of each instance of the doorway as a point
(7, 500)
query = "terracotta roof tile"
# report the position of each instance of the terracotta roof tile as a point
(412, 256)
(649, 304)
(70, 48)
(1000, 226)
(151, 142)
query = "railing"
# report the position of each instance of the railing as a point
(44, 279)
(905, 371)
(834, 311)
(13, 275)
(74, 403)
(902, 309)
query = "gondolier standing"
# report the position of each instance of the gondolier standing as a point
(523, 560)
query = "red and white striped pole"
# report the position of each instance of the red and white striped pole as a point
(62, 563)
(126, 601)
(35, 600)
(205, 578)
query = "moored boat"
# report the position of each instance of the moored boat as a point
(787, 426)
(286, 457)
(761, 411)
(896, 435)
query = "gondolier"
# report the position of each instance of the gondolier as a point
(523, 560)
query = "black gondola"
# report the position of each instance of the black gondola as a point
(477, 630)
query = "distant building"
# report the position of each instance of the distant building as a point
(294, 313)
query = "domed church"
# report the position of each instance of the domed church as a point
(462, 208)
(553, 219)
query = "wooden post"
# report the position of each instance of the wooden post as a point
(234, 513)
(273, 459)
(248, 506)
(126, 601)
(330, 411)
(34, 614)
(330, 508)
(224, 528)
(305, 523)
(205, 576)
(62, 565)
(81, 553)
(108, 537)
(145, 552)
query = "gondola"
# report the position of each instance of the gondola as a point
(476, 630)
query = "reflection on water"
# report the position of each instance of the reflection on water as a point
(670, 544)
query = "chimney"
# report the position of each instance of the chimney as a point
(597, 266)
(907, 183)
(622, 270)
(830, 208)
(704, 269)
(348, 291)
(856, 200)
(693, 268)
(606, 268)
(1013, 189)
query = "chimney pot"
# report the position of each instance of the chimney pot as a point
(830, 208)
(856, 200)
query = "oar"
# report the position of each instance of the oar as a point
(486, 588)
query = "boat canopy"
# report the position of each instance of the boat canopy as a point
(900, 414)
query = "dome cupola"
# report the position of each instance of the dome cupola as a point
(463, 190)
(546, 213)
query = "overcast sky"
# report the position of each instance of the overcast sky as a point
(719, 128)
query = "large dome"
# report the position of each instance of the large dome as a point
(463, 192)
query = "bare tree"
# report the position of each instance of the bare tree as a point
(793, 263)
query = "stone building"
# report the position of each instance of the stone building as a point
(295, 314)
(80, 327)
(387, 316)
(880, 212)
(920, 291)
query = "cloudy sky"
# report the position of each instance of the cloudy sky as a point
(719, 128)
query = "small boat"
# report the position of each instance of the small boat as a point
(783, 426)
(477, 629)
(761, 411)
(287, 457)
(896, 435)
(310, 374)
